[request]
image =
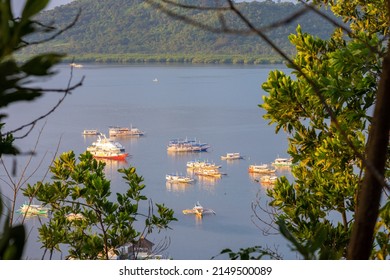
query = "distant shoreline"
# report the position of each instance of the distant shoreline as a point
(169, 59)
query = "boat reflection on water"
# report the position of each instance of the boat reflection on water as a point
(198, 220)
(111, 163)
(208, 183)
(112, 166)
(177, 187)
(283, 169)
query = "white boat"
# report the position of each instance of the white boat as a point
(230, 156)
(174, 178)
(116, 131)
(74, 216)
(90, 132)
(208, 172)
(282, 162)
(76, 65)
(33, 209)
(198, 210)
(268, 179)
(107, 149)
(201, 164)
(185, 145)
(262, 168)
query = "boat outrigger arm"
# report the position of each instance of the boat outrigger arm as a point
(199, 210)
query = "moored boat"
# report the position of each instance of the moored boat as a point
(107, 149)
(268, 179)
(186, 145)
(198, 210)
(90, 132)
(230, 156)
(116, 131)
(195, 164)
(282, 162)
(33, 209)
(262, 168)
(74, 216)
(76, 65)
(173, 178)
(208, 172)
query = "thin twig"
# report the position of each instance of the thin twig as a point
(31, 124)
(25, 43)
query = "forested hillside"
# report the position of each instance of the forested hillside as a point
(132, 30)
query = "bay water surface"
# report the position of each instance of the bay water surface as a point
(214, 104)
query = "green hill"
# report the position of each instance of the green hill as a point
(133, 31)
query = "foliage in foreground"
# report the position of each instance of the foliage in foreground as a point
(14, 77)
(316, 211)
(325, 107)
(11, 238)
(80, 189)
(15, 86)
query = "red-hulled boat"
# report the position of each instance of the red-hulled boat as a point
(108, 149)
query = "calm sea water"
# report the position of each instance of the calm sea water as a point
(214, 104)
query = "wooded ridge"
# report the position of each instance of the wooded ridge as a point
(133, 31)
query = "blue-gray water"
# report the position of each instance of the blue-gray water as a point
(214, 104)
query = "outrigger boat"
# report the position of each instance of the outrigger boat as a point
(230, 156)
(198, 210)
(33, 209)
(74, 216)
(262, 168)
(208, 172)
(76, 65)
(90, 132)
(282, 162)
(196, 164)
(116, 131)
(171, 178)
(268, 179)
(186, 145)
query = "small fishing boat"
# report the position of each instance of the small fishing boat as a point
(76, 65)
(262, 168)
(201, 164)
(33, 209)
(230, 156)
(172, 178)
(198, 210)
(282, 162)
(90, 132)
(74, 216)
(208, 172)
(116, 131)
(268, 179)
(186, 145)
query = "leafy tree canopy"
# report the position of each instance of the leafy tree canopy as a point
(325, 108)
(83, 214)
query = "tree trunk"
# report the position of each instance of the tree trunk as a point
(360, 246)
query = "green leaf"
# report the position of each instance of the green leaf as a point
(33, 7)
(41, 64)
